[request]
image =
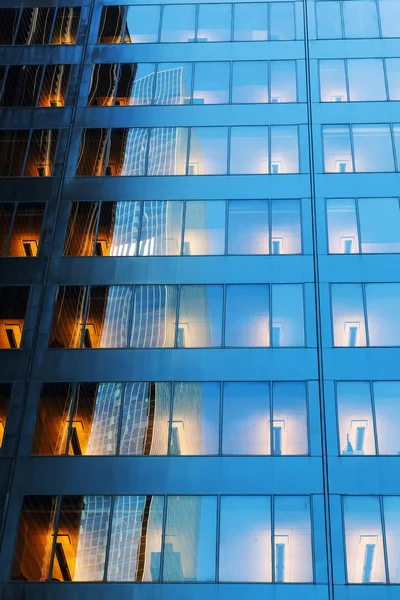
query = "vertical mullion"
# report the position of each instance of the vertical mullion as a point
(107, 152)
(183, 227)
(130, 318)
(221, 416)
(75, 387)
(188, 144)
(3, 85)
(270, 230)
(347, 80)
(56, 9)
(108, 542)
(7, 248)
(378, 14)
(96, 229)
(350, 127)
(228, 149)
(44, 67)
(358, 222)
(123, 24)
(178, 305)
(309, 449)
(121, 416)
(272, 508)
(163, 534)
(386, 79)
(19, 18)
(270, 314)
(227, 202)
(396, 158)
(196, 21)
(171, 414)
(372, 400)
(224, 296)
(160, 23)
(28, 146)
(85, 313)
(385, 552)
(217, 538)
(271, 417)
(53, 549)
(364, 299)
(117, 76)
(140, 226)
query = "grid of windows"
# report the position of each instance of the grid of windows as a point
(27, 152)
(43, 25)
(34, 85)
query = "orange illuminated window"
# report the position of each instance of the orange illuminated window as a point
(54, 86)
(25, 235)
(66, 25)
(112, 24)
(42, 149)
(13, 304)
(5, 393)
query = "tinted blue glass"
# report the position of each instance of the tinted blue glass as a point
(251, 21)
(332, 77)
(211, 83)
(373, 150)
(287, 315)
(247, 315)
(386, 400)
(284, 149)
(173, 83)
(154, 316)
(178, 23)
(329, 24)
(383, 313)
(214, 23)
(348, 315)
(142, 23)
(342, 226)
(200, 316)
(283, 81)
(360, 19)
(208, 151)
(282, 25)
(248, 231)
(250, 82)
(390, 18)
(204, 227)
(393, 77)
(366, 80)
(337, 149)
(379, 224)
(391, 511)
(249, 150)
(356, 424)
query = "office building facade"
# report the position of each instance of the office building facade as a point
(200, 299)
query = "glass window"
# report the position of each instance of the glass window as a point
(8, 25)
(154, 316)
(142, 24)
(13, 146)
(246, 419)
(81, 540)
(81, 230)
(337, 149)
(251, 22)
(356, 425)
(364, 546)
(112, 21)
(387, 402)
(41, 153)
(13, 305)
(366, 79)
(145, 419)
(214, 23)
(117, 234)
(35, 25)
(250, 82)
(208, 151)
(6, 218)
(135, 84)
(161, 230)
(107, 318)
(204, 227)
(245, 524)
(247, 315)
(348, 315)
(287, 315)
(52, 419)
(391, 511)
(54, 86)
(92, 152)
(360, 19)
(379, 224)
(284, 149)
(342, 226)
(292, 539)
(248, 227)
(190, 538)
(373, 149)
(5, 394)
(127, 152)
(329, 21)
(383, 313)
(332, 77)
(27, 226)
(173, 83)
(249, 150)
(390, 18)
(282, 21)
(286, 227)
(67, 324)
(135, 541)
(283, 81)
(178, 23)
(66, 25)
(396, 137)
(211, 83)
(200, 316)
(195, 419)
(393, 77)
(289, 424)
(34, 539)
(22, 84)
(167, 151)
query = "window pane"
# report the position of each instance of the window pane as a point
(81, 230)
(393, 77)
(135, 84)
(81, 538)
(214, 23)
(200, 316)
(167, 151)
(286, 227)
(360, 19)
(34, 540)
(26, 229)
(35, 26)
(94, 425)
(204, 227)
(178, 23)
(396, 136)
(282, 21)
(250, 82)
(390, 18)
(348, 315)
(364, 547)
(289, 413)
(195, 419)
(154, 316)
(251, 22)
(54, 86)
(66, 328)
(52, 419)
(329, 23)
(247, 315)
(108, 317)
(118, 229)
(283, 81)
(142, 23)
(5, 394)
(248, 231)
(246, 419)
(8, 25)
(387, 402)
(366, 79)
(208, 151)
(112, 19)
(245, 524)
(337, 151)
(13, 305)
(284, 149)
(332, 78)
(379, 224)
(135, 544)
(6, 216)
(342, 226)
(13, 146)
(92, 152)
(66, 25)
(383, 313)
(41, 154)
(249, 150)
(211, 83)
(372, 148)
(173, 83)
(127, 153)
(190, 538)
(356, 425)
(161, 230)
(287, 315)
(22, 84)
(292, 539)
(391, 511)
(145, 419)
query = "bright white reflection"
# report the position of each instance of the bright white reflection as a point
(348, 315)
(342, 226)
(356, 425)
